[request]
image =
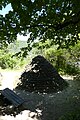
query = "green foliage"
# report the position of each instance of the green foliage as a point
(56, 20)
(71, 69)
(64, 60)
(7, 61)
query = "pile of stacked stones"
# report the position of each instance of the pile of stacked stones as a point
(41, 76)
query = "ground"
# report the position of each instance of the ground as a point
(41, 106)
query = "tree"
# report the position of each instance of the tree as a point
(56, 20)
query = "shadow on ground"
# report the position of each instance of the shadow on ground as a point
(52, 105)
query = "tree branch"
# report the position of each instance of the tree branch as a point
(75, 19)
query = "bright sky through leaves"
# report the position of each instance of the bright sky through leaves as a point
(5, 11)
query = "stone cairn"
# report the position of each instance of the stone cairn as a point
(41, 76)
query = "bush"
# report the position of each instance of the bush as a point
(64, 60)
(71, 69)
(7, 61)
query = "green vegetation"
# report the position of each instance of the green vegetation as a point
(16, 46)
(56, 20)
(9, 62)
(64, 60)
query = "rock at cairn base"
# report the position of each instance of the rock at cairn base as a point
(41, 76)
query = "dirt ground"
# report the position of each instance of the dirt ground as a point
(40, 106)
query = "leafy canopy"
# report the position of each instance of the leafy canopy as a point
(56, 20)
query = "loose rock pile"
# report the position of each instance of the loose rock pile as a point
(41, 76)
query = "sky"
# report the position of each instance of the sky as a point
(5, 11)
